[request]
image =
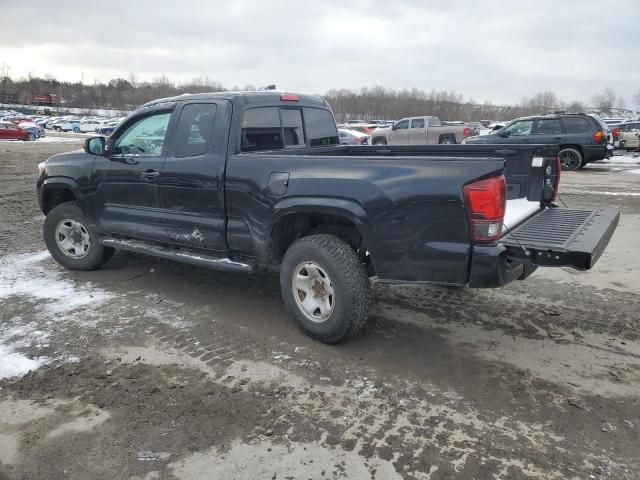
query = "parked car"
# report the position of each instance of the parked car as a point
(628, 135)
(107, 128)
(10, 131)
(352, 137)
(427, 130)
(582, 138)
(227, 188)
(67, 126)
(90, 125)
(32, 128)
(364, 128)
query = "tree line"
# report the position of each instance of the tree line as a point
(368, 103)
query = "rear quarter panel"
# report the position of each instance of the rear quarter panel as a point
(410, 211)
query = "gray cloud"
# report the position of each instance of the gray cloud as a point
(485, 50)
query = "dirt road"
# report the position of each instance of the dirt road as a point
(152, 370)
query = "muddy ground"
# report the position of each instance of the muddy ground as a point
(148, 369)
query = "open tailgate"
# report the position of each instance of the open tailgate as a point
(563, 237)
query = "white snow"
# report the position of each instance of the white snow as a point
(14, 364)
(22, 275)
(519, 209)
(635, 172)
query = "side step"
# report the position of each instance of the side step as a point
(179, 255)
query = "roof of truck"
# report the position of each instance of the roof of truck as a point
(248, 97)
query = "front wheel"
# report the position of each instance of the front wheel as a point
(72, 241)
(30, 137)
(325, 288)
(379, 141)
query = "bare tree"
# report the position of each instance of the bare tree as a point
(605, 101)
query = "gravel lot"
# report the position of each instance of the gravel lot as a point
(152, 370)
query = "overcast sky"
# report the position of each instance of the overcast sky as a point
(487, 50)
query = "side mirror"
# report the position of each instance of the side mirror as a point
(95, 145)
(503, 133)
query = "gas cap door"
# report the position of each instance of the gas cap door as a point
(278, 183)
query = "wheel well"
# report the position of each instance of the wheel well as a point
(447, 135)
(576, 147)
(53, 197)
(294, 226)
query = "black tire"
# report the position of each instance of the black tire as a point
(349, 281)
(30, 137)
(570, 159)
(95, 256)
(57, 129)
(447, 141)
(379, 141)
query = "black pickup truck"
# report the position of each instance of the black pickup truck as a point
(248, 180)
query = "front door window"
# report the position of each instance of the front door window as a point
(145, 137)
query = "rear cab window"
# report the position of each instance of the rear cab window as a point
(194, 131)
(277, 128)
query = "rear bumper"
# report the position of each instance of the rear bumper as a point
(593, 153)
(492, 267)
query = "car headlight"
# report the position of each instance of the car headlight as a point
(41, 166)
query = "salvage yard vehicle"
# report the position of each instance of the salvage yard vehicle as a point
(245, 181)
(582, 138)
(10, 131)
(427, 130)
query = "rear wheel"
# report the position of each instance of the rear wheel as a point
(447, 141)
(72, 241)
(325, 288)
(570, 159)
(30, 137)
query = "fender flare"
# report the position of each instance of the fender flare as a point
(348, 209)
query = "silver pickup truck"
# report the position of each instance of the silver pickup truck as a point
(427, 130)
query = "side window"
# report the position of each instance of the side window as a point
(549, 126)
(261, 130)
(401, 125)
(292, 127)
(434, 122)
(144, 137)
(320, 127)
(417, 123)
(576, 124)
(194, 130)
(520, 128)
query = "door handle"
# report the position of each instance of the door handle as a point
(149, 174)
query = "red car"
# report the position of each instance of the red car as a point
(9, 131)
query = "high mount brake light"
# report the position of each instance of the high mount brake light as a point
(486, 203)
(599, 137)
(288, 97)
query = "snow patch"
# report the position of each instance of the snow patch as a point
(15, 364)
(22, 275)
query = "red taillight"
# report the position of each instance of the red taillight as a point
(466, 132)
(616, 133)
(288, 97)
(599, 137)
(486, 202)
